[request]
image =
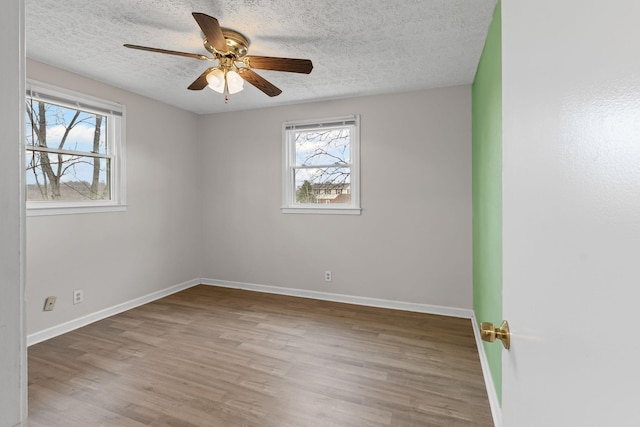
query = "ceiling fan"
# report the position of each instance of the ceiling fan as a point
(229, 48)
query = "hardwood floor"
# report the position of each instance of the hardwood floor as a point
(212, 356)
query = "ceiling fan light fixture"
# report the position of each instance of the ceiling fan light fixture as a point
(229, 47)
(235, 83)
(215, 80)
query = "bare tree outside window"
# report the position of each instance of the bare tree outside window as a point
(67, 158)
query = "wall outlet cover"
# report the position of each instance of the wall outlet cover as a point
(78, 297)
(49, 302)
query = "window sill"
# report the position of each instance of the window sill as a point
(321, 211)
(72, 210)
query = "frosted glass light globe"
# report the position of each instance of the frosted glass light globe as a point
(215, 79)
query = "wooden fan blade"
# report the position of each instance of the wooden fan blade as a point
(170, 52)
(201, 82)
(259, 82)
(279, 64)
(212, 31)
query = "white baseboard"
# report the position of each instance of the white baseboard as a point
(494, 403)
(107, 312)
(349, 299)
(69, 326)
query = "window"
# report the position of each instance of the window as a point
(321, 166)
(74, 152)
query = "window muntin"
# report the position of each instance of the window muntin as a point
(322, 166)
(74, 152)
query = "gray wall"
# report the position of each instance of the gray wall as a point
(412, 241)
(204, 196)
(116, 257)
(12, 342)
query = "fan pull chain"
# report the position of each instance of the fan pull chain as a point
(226, 88)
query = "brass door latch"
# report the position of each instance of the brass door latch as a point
(490, 333)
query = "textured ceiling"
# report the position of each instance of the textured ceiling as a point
(358, 47)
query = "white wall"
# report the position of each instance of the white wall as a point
(412, 241)
(571, 210)
(116, 257)
(12, 341)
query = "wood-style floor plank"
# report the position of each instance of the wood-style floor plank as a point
(208, 357)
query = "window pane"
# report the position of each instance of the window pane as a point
(67, 178)
(323, 185)
(322, 147)
(54, 126)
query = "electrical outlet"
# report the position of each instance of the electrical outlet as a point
(49, 302)
(77, 296)
(327, 276)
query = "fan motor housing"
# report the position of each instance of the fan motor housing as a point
(237, 44)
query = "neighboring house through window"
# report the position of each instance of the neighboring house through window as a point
(74, 152)
(322, 166)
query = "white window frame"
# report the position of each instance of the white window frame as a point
(115, 132)
(289, 204)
